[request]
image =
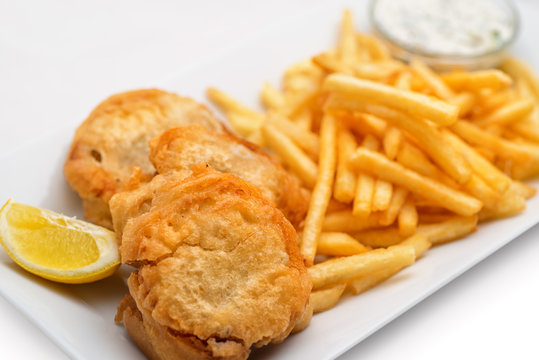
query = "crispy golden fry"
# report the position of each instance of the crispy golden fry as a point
(409, 102)
(303, 119)
(325, 299)
(376, 71)
(362, 205)
(322, 189)
(388, 170)
(365, 282)
(503, 148)
(448, 230)
(242, 124)
(228, 104)
(345, 179)
(408, 218)
(477, 80)
(339, 244)
(492, 175)
(397, 200)
(478, 188)
(382, 195)
(341, 269)
(528, 128)
(509, 113)
(366, 124)
(306, 140)
(371, 143)
(433, 80)
(425, 133)
(465, 101)
(376, 50)
(330, 63)
(379, 238)
(392, 141)
(522, 189)
(451, 229)
(518, 69)
(490, 101)
(414, 159)
(271, 97)
(345, 221)
(291, 154)
(404, 81)
(346, 47)
(419, 242)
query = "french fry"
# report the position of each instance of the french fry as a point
(484, 169)
(478, 188)
(366, 124)
(414, 159)
(362, 205)
(379, 238)
(397, 200)
(388, 170)
(490, 102)
(330, 63)
(409, 102)
(426, 134)
(509, 113)
(518, 69)
(345, 221)
(339, 244)
(433, 80)
(346, 47)
(392, 141)
(382, 195)
(325, 299)
(477, 136)
(449, 230)
(477, 80)
(345, 179)
(291, 154)
(465, 101)
(341, 269)
(271, 97)
(419, 242)
(322, 190)
(243, 124)
(228, 104)
(376, 71)
(377, 50)
(408, 218)
(404, 81)
(306, 140)
(365, 282)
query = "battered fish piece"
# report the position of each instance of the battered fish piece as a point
(220, 270)
(111, 145)
(180, 148)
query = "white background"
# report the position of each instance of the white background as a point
(58, 59)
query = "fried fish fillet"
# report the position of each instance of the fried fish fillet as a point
(178, 149)
(111, 145)
(219, 269)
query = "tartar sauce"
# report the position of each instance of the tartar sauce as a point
(446, 27)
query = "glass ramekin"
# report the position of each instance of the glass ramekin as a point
(447, 62)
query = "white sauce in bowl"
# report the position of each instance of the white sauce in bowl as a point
(446, 27)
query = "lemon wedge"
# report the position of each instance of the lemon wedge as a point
(57, 247)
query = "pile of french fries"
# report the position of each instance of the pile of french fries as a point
(397, 157)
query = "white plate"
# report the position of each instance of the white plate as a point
(79, 318)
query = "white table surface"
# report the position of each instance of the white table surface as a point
(59, 58)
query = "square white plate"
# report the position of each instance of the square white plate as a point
(79, 318)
